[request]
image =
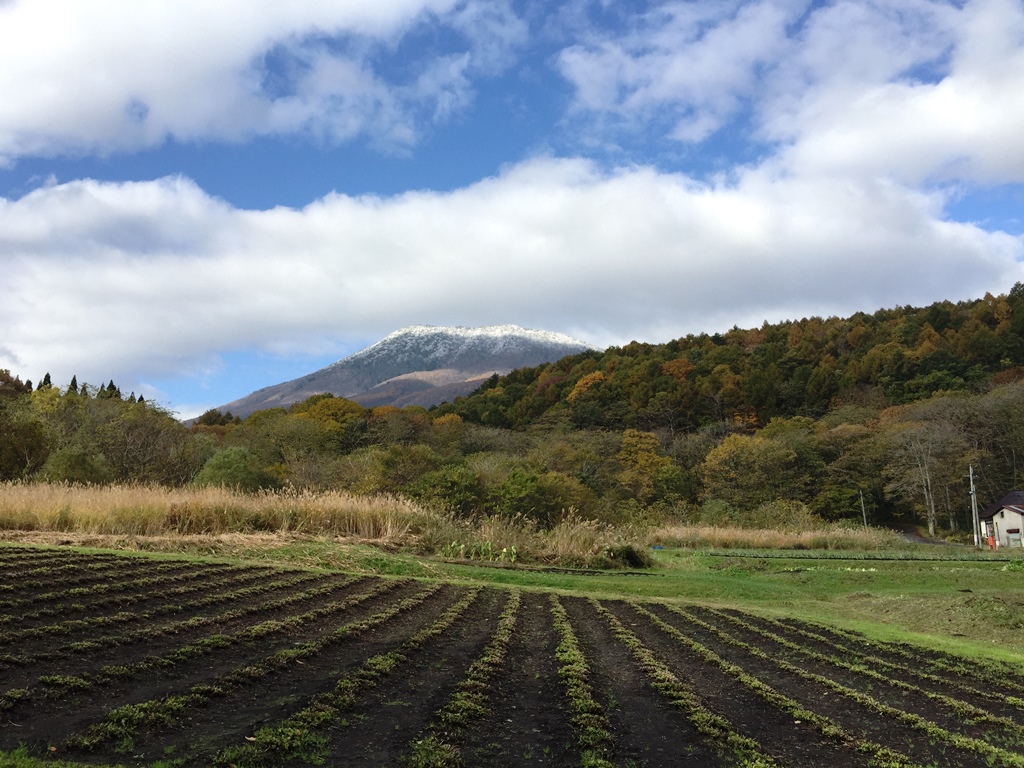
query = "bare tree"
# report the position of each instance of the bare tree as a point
(920, 456)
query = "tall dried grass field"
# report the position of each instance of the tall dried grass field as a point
(166, 516)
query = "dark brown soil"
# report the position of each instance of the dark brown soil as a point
(69, 619)
(528, 713)
(413, 693)
(270, 699)
(907, 672)
(73, 711)
(1006, 680)
(791, 741)
(845, 712)
(647, 729)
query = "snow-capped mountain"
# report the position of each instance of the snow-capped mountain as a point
(420, 365)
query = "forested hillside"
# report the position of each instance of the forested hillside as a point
(790, 422)
(798, 368)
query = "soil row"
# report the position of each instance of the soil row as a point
(248, 667)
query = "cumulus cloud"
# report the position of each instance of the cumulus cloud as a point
(157, 277)
(924, 91)
(691, 63)
(82, 78)
(929, 94)
(871, 116)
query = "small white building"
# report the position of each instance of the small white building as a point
(1003, 521)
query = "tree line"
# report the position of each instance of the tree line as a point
(750, 376)
(749, 427)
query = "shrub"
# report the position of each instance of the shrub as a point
(76, 465)
(234, 468)
(455, 488)
(542, 497)
(623, 555)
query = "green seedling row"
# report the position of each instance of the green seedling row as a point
(589, 719)
(216, 642)
(970, 712)
(105, 585)
(881, 755)
(935, 732)
(911, 667)
(150, 632)
(985, 671)
(196, 582)
(438, 745)
(246, 667)
(298, 740)
(737, 748)
(123, 724)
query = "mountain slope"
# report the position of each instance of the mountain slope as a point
(750, 376)
(420, 365)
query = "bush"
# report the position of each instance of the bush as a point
(623, 556)
(235, 468)
(780, 515)
(76, 465)
(455, 488)
(542, 497)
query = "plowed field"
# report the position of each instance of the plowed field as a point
(109, 660)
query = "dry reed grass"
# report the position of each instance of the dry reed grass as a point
(830, 537)
(573, 542)
(136, 510)
(176, 519)
(170, 518)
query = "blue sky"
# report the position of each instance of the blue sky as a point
(199, 199)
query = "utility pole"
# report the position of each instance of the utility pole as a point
(974, 509)
(863, 511)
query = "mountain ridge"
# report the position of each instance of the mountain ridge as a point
(418, 365)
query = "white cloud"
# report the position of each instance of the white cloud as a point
(495, 31)
(694, 61)
(853, 104)
(922, 91)
(120, 74)
(153, 279)
(873, 113)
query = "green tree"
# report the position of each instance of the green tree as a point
(214, 418)
(642, 465)
(12, 386)
(143, 444)
(76, 464)
(749, 470)
(235, 468)
(454, 487)
(542, 497)
(25, 441)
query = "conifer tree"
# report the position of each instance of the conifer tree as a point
(73, 386)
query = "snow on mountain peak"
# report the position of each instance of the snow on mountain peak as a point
(439, 341)
(486, 331)
(420, 365)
